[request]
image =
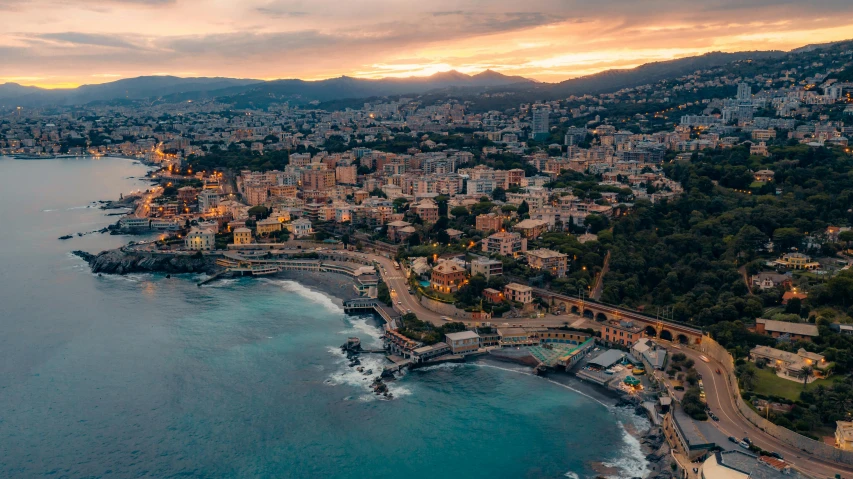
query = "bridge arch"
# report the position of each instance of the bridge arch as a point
(601, 317)
(651, 331)
(575, 309)
(588, 313)
(666, 335)
(683, 339)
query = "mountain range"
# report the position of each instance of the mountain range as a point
(244, 93)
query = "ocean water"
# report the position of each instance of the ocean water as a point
(144, 376)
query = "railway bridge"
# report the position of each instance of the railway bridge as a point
(654, 327)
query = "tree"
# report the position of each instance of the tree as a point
(260, 212)
(596, 223)
(747, 375)
(793, 307)
(806, 371)
(345, 240)
(787, 238)
(508, 208)
(499, 194)
(459, 211)
(846, 237)
(523, 209)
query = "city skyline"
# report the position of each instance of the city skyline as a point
(54, 43)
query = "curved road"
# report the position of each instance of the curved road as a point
(731, 423)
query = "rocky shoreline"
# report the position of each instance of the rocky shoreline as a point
(119, 261)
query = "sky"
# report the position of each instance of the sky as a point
(65, 43)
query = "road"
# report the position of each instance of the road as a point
(143, 205)
(396, 280)
(731, 423)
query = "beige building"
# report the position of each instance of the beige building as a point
(242, 236)
(463, 342)
(519, 293)
(268, 226)
(427, 210)
(200, 240)
(844, 435)
(531, 228)
(487, 267)
(505, 244)
(346, 174)
(790, 364)
(548, 260)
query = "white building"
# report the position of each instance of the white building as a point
(200, 240)
(301, 228)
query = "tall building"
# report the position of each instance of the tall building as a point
(540, 123)
(346, 174)
(207, 200)
(744, 92)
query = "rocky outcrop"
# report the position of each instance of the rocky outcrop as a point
(117, 261)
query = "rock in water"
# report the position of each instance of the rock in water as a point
(120, 262)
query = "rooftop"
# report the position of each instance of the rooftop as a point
(462, 336)
(802, 329)
(545, 253)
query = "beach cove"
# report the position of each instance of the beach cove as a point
(143, 375)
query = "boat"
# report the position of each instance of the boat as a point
(66, 237)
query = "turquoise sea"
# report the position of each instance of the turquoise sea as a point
(144, 376)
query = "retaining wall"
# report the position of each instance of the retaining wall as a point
(816, 448)
(445, 309)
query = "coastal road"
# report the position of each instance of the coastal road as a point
(396, 279)
(731, 423)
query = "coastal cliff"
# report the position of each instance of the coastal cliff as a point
(120, 262)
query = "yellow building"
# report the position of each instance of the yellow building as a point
(242, 236)
(268, 226)
(797, 261)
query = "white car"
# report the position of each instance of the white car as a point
(705, 359)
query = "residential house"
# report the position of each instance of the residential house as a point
(200, 239)
(790, 364)
(505, 244)
(447, 277)
(797, 261)
(242, 236)
(770, 280)
(548, 260)
(530, 228)
(489, 222)
(518, 293)
(486, 267)
(301, 228)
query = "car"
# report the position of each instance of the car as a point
(776, 455)
(400, 303)
(704, 358)
(714, 417)
(746, 440)
(743, 445)
(733, 439)
(718, 371)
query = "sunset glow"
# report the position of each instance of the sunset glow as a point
(51, 43)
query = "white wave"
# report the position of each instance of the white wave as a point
(571, 475)
(78, 207)
(350, 376)
(363, 327)
(48, 211)
(221, 283)
(132, 278)
(307, 293)
(441, 366)
(631, 462)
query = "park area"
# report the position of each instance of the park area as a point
(769, 384)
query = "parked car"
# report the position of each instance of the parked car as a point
(714, 417)
(746, 440)
(776, 455)
(733, 439)
(743, 445)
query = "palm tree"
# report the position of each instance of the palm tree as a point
(806, 371)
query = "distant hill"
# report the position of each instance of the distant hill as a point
(612, 80)
(174, 89)
(140, 88)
